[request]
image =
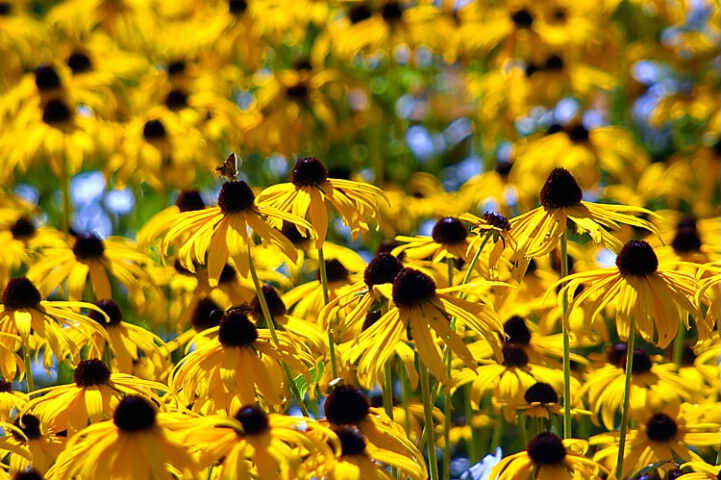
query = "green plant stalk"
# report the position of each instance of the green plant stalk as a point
(521, 426)
(631, 345)
(388, 389)
(447, 397)
(474, 260)
(678, 344)
(428, 433)
(403, 378)
(498, 433)
(271, 326)
(29, 380)
(326, 299)
(567, 433)
(475, 434)
(67, 206)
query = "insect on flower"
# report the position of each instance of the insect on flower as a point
(229, 168)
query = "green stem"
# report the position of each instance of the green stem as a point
(485, 434)
(447, 397)
(67, 206)
(498, 433)
(271, 326)
(107, 356)
(566, 341)
(403, 378)
(521, 426)
(678, 344)
(388, 389)
(475, 438)
(428, 427)
(30, 382)
(472, 265)
(326, 298)
(631, 345)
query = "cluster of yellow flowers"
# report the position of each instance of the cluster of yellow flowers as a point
(549, 285)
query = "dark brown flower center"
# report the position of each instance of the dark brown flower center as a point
(371, 318)
(20, 293)
(687, 239)
(298, 91)
(190, 201)
(412, 287)
(79, 63)
(382, 269)
(6, 386)
(541, 393)
(522, 18)
(514, 355)
(546, 449)
(449, 231)
(497, 220)
(253, 419)
(31, 474)
(176, 99)
(637, 258)
(154, 130)
(276, 306)
(352, 441)
(55, 112)
(22, 229)
(358, 13)
(235, 197)
(91, 372)
(46, 78)
(6, 9)
(134, 414)
(228, 274)
(391, 12)
(308, 172)
(560, 190)
(555, 63)
(29, 425)
(616, 353)
(335, 271)
(578, 134)
(661, 428)
(237, 7)
(642, 362)
(291, 233)
(111, 309)
(236, 329)
(176, 68)
(517, 331)
(207, 315)
(88, 246)
(346, 405)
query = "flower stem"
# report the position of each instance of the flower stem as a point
(271, 326)
(472, 265)
(630, 347)
(521, 426)
(388, 389)
(428, 427)
(678, 345)
(447, 397)
(475, 434)
(498, 433)
(403, 378)
(566, 341)
(65, 188)
(326, 298)
(30, 382)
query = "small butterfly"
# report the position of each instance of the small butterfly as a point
(229, 168)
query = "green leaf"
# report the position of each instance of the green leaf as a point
(315, 375)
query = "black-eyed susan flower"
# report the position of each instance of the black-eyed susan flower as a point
(492, 227)
(223, 231)
(310, 190)
(92, 398)
(43, 444)
(701, 471)
(224, 374)
(24, 313)
(449, 239)
(23, 241)
(653, 298)
(9, 400)
(537, 232)
(662, 435)
(136, 443)
(542, 401)
(269, 445)
(96, 259)
(417, 305)
(549, 458)
(653, 385)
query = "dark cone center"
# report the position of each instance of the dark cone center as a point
(358, 13)
(79, 63)
(154, 130)
(190, 201)
(46, 78)
(55, 112)
(20, 293)
(308, 172)
(298, 91)
(276, 306)
(546, 448)
(661, 428)
(412, 287)
(134, 414)
(517, 331)
(236, 330)
(616, 354)
(554, 63)
(6, 9)
(335, 271)
(291, 233)
(88, 246)
(22, 229)
(176, 100)
(91, 372)
(391, 12)
(637, 258)
(642, 362)
(514, 355)
(30, 426)
(111, 309)
(352, 441)
(207, 315)
(31, 474)
(687, 239)
(522, 18)
(237, 7)
(541, 393)
(578, 134)
(253, 419)
(382, 269)
(560, 190)
(176, 68)
(449, 231)
(346, 405)
(235, 197)
(228, 274)
(497, 220)
(6, 386)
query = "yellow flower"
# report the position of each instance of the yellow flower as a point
(135, 444)
(641, 293)
(542, 400)
(417, 305)
(42, 443)
(449, 239)
(492, 226)
(223, 374)
(701, 471)
(549, 458)
(9, 399)
(309, 190)
(92, 398)
(223, 231)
